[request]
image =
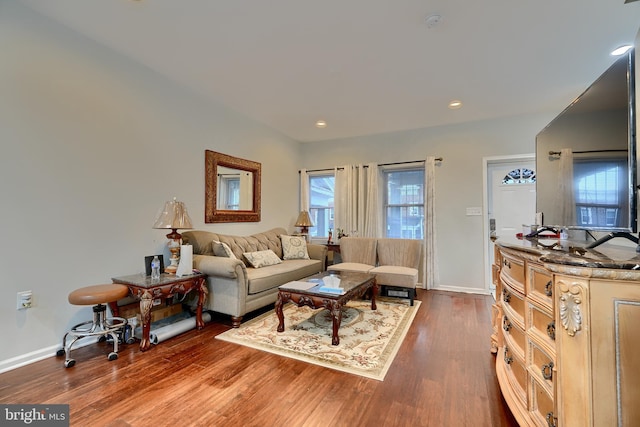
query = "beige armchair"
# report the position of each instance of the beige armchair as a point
(398, 266)
(357, 253)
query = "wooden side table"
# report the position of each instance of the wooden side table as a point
(146, 290)
(332, 247)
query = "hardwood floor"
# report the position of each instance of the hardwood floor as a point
(443, 375)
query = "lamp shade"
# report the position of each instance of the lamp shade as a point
(173, 216)
(304, 220)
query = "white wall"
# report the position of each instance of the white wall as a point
(458, 179)
(92, 146)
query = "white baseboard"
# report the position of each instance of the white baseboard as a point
(463, 290)
(28, 358)
(35, 356)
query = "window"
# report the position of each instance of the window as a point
(229, 188)
(600, 192)
(321, 191)
(404, 203)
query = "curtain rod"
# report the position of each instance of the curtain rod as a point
(558, 153)
(437, 159)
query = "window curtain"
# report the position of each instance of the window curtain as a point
(431, 276)
(372, 206)
(357, 207)
(246, 191)
(304, 190)
(565, 190)
(346, 199)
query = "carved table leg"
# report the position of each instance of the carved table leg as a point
(336, 315)
(373, 296)
(279, 312)
(202, 292)
(145, 312)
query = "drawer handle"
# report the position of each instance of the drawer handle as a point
(551, 330)
(547, 371)
(551, 420)
(507, 359)
(506, 296)
(548, 289)
(506, 325)
(506, 263)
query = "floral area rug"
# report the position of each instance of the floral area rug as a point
(369, 339)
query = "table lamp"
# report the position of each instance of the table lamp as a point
(304, 222)
(173, 216)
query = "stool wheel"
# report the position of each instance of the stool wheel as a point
(102, 338)
(113, 356)
(69, 363)
(60, 352)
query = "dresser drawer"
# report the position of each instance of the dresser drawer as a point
(513, 304)
(540, 285)
(541, 323)
(513, 269)
(541, 364)
(517, 374)
(514, 337)
(541, 405)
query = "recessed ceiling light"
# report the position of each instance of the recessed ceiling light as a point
(455, 104)
(321, 124)
(621, 50)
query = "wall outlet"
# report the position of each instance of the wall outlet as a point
(24, 300)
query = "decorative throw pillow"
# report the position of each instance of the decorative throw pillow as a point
(262, 258)
(222, 249)
(294, 247)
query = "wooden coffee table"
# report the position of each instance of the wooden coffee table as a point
(354, 285)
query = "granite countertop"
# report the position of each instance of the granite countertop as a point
(573, 253)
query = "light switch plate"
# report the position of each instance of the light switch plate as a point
(474, 211)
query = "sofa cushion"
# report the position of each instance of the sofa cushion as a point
(265, 278)
(262, 258)
(222, 249)
(294, 247)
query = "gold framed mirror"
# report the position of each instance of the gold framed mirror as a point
(232, 188)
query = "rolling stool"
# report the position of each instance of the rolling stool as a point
(100, 326)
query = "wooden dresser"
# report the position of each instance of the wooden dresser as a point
(566, 333)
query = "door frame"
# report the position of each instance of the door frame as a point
(486, 163)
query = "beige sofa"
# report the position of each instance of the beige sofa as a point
(236, 288)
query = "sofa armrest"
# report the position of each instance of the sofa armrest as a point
(318, 252)
(216, 266)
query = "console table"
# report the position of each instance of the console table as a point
(146, 290)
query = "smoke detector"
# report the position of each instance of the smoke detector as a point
(433, 20)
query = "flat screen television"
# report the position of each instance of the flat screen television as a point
(586, 161)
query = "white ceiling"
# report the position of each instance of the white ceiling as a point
(364, 66)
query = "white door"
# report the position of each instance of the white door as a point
(511, 200)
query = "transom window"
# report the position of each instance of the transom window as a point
(520, 176)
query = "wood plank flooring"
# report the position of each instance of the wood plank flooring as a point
(443, 375)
